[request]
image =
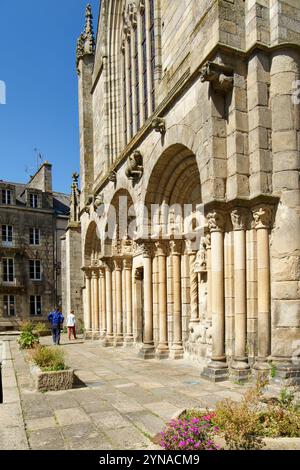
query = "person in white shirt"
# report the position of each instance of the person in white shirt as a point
(71, 324)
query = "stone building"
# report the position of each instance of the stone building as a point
(192, 103)
(33, 218)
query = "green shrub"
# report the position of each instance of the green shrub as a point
(244, 424)
(40, 328)
(239, 422)
(49, 359)
(27, 326)
(28, 339)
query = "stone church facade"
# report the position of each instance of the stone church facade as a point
(192, 104)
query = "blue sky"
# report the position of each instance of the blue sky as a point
(37, 63)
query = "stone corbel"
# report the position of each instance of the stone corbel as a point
(220, 77)
(159, 125)
(134, 169)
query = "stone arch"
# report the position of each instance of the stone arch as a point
(92, 245)
(175, 179)
(119, 220)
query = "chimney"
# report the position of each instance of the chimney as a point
(42, 180)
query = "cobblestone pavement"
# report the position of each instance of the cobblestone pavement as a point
(123, 403)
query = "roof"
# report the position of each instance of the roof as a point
(61, 201)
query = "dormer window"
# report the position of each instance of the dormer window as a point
(33, 200)
(6, 196)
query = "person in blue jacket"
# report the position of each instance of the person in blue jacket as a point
(56, 319)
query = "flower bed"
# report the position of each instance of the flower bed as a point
(52, 381)
(49, 369)
(252, 423)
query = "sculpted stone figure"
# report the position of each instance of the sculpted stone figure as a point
(134, 169)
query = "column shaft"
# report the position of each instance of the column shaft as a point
(109, 306)
(119, 311)
(128, 288)
(147, 350)
(177, 348)
(162, 350)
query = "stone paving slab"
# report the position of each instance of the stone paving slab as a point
(125, 400)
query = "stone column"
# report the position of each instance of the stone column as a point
(262, 219)
(162, 350)
(119, 333)
(194, 301)
(103, 302)
(147, 351)
(109, 305)
(128, 288)
(240, 364)
(88, 281)
(95, 303)
(176, 351)
(217, 369)
(209, 283)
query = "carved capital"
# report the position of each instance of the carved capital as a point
(118, 264)
(262, 216)
(95, 273)
(161, 248)
(88, 272)
(127, 264)
(239, 218)
(147, 250)
(176, 247)
(216, 221)
(220, 76)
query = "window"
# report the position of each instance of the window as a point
(34, 236)
(33, 200)
(124, 98)
(130, 92)
(152, 52)
(8, 269)
(7, 234)
(6, 196)
(35, 305)
(35, 270)
(9, 305)
(145, 78)
(137, 81)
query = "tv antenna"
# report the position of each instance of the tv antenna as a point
(39, 158)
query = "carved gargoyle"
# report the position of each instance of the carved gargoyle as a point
(220, 76)
(98, 201)
(159, 125)
(134, 169)
(112, 176)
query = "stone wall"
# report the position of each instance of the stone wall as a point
(226, 72)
